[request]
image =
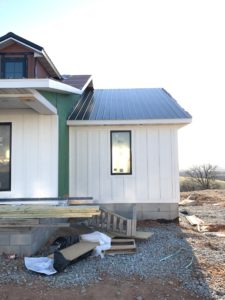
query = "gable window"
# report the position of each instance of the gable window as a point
(5, 156)
(14, 68)
(121, 153)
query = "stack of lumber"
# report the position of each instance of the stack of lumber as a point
(47, 211)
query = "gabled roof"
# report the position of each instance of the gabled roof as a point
(42, 57)
(12, 36)
(126, 106)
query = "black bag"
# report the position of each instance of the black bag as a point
(65, 241)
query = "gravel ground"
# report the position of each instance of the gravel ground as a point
(174, 252)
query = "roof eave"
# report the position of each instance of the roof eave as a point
(51, 64)
(87, 83)
(181, 122)
(39, 84)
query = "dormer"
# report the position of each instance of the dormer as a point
(20, 58)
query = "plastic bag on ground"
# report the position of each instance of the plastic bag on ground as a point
(101, 238)
(42, 265)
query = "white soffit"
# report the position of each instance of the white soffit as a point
(40, 84)
(31, 99)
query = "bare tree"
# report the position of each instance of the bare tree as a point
(203, 175)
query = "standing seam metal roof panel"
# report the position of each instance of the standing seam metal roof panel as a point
(127, 104)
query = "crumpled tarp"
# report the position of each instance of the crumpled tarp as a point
(42, 265)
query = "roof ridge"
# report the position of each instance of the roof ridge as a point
(20, 39)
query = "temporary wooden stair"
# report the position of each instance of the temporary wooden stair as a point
(114, 223)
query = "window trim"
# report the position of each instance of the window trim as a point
(111, 155)
(14, 59)
(10, 161)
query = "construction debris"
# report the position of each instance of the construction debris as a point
(72, 254)
(110, 221)
(104, 241)
(186, 202)
(193, 220)
(139, 235)
(122, 246)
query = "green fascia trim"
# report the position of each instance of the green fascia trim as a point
(64, 104)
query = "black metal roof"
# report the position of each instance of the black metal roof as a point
(127, 104)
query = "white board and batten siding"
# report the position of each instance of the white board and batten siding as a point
(155, 174)
(34, 154)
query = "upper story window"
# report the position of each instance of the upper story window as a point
(14, 68)
(121, 153)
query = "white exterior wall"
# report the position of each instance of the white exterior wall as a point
(34, 154)
(155, 173)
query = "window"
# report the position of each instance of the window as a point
(14, 68)
(5, 156)
(121, 152)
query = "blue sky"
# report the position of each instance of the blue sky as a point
(175, 44)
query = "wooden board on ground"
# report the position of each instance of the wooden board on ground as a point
(122, 246)
(72, 252)
(193, 220)
(186, 202)
(139, 235)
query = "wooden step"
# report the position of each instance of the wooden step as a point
(122, 246)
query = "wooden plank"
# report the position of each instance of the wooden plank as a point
(114, 222)
(114, 214)
(142, 235)
(37, 225)
(46, 216)
(122, 246)
(34, 208)
(75, 202)
(46, 211)
(72, 252)
(122, 241)
(30, 222)
(129, 229)
(121, 225)
(108, 221)
(193, 220)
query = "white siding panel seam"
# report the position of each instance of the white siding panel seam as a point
(172, 162)
(147, 163)
(159, 162)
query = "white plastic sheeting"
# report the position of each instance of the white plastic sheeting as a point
(101, 238)
(42, 265)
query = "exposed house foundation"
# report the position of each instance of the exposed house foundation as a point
(145, 211)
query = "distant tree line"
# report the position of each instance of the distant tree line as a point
(200, 177)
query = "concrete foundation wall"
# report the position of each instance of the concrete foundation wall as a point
(23, 241)
(145, 211)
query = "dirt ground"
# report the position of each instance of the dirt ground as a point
(107, 289)
(209, 206)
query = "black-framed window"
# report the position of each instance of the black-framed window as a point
(5, 156)
(121, 161)
(14, 68)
